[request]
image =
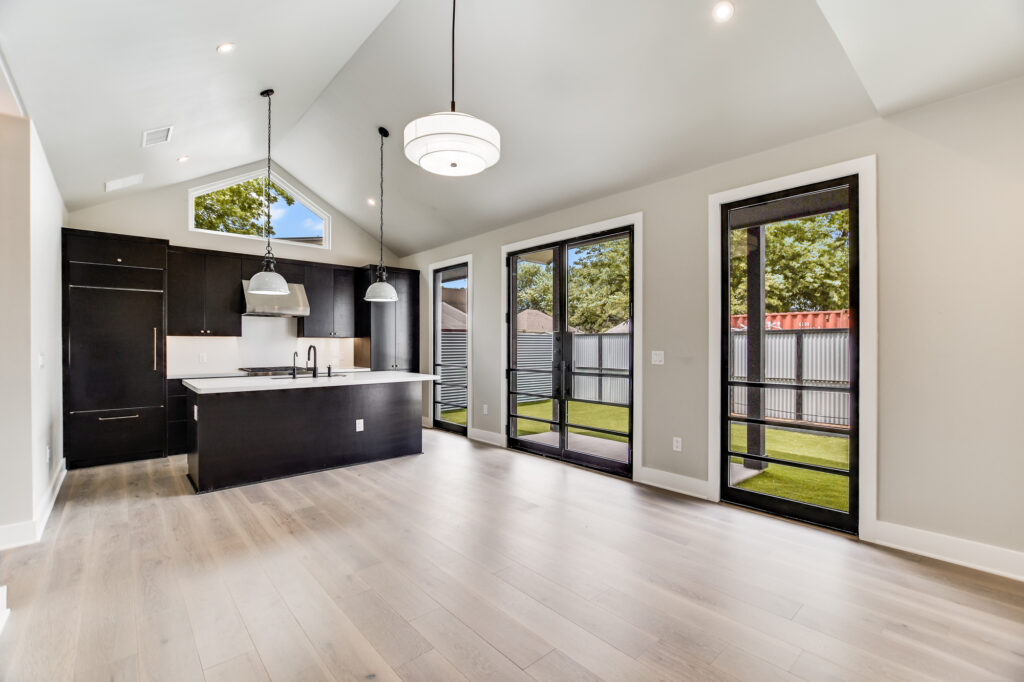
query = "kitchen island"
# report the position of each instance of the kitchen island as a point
(249, 429)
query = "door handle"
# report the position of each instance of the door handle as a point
(111, 419)
(154, 349)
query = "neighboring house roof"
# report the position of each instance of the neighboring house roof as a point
(452, 319)
(620, 328)
(536, 322)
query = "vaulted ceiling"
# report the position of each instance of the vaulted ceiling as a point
(590, 97)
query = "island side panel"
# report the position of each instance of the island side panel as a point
(260, 435)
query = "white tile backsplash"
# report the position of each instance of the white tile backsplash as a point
(265, 341)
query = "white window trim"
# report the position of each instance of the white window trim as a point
(866, 170)
(278, 180)
(637, 221)
(440, 265)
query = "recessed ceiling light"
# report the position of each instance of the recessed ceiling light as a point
(225, 48)
(723, 11)
(183, 158)
(371, 201)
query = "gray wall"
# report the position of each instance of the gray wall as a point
(951, 236)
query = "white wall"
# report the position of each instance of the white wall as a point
(15, 332)
(47, 217)
(265, 342)
(951, 236)
(163, 213)
(31, 213)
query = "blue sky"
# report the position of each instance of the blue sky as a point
(295, 221)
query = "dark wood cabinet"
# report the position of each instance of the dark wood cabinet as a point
(330, 291)
(394, 327)
(223, 298)
(114, 348)
(320, 293)
(344, 302)
(204, 294)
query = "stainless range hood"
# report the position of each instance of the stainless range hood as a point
(293, 304)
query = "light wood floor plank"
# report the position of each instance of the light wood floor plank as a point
(475, 563)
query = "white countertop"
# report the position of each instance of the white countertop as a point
(207, 375)
(242, 384)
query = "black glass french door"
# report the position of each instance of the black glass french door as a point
(570, 341)
(789, 428)
(451, 347)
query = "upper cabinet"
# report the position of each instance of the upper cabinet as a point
(204, 294)
(330, 291)
(109, 250)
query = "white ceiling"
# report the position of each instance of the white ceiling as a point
(911, 52)
(590, 97)
(94, 75)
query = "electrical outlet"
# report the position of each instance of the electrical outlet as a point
(42, 360)
(485, 408)
(657, 357)
(677, 443)
(202, 358)
(359, 425)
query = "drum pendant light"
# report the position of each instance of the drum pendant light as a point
(268, 281)
(380, 291)
(452, 143)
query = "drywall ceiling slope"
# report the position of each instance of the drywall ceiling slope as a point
(94, 75)
(10, 101)
(590, 98)
(913, 52)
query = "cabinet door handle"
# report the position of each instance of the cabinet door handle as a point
(154, 349)
(111, 419)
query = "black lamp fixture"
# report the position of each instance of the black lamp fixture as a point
(380, 291)
(268, 282)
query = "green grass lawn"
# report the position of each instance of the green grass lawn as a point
(813, 487)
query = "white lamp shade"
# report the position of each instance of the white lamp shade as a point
(451, 143)
(269, 283)
(381, 292)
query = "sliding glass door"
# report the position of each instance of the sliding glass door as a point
(570, 351)
(451, 347)
(789, 353)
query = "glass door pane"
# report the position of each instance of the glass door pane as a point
(534, 384)
(598, 346)
(451, 347)
(789, 395)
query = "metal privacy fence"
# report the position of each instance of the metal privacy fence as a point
(605, 353)
(810, 357)
(454, 351)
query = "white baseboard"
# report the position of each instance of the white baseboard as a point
(1002, 561)
(26, 532)
(677, 483)
(427, 422)
(486, 437)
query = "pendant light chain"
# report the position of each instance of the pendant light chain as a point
(453, 55)
(269, 255)
(381, 272)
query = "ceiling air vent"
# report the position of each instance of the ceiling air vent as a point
(151, 138)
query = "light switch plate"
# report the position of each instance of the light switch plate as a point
(359, 425)
(677, 443)
(657, 357)
(485, 408)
